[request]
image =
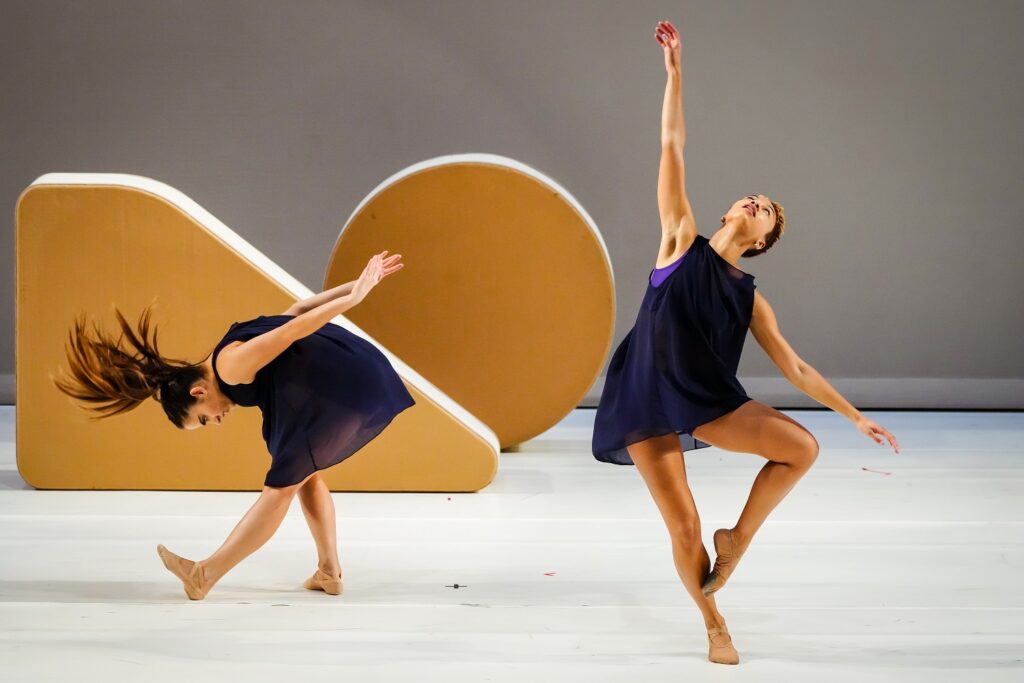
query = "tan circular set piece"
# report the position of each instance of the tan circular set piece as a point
(506, 300)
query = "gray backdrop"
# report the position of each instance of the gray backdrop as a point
(890, 131)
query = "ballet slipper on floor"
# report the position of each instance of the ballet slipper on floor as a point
(720, 647)
(322, 581)
(192, 577)
(728, 557)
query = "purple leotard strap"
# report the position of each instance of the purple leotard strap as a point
(659, 275)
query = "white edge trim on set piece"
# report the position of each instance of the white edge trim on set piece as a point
(494, 160)
(257, 259)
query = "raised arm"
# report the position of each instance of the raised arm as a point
(800, 374)
(391, 264)
(673, 204)
(238, 363)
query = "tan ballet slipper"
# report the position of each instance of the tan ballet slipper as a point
(728, 556)
(322, 581)
(720, 647)
(193, 578)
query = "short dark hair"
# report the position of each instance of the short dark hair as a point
(773, 236)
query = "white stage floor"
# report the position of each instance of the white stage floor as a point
(566, 568)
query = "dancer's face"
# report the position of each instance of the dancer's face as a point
(210, 407)
(754, 215)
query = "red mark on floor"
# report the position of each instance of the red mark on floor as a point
(549, 573)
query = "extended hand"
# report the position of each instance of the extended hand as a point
(668, 37)
(876, 432)
(391, 263)
(372, 274)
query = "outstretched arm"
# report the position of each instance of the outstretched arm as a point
(673, 204)
(239, 363)
(391, 265)
(765, 329)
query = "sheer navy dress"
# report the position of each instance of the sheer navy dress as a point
(676, 369)
(323, 398)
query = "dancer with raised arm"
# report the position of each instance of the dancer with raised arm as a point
(671, 384)
(324, 393)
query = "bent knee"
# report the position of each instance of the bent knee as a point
(798, 448)
(685, 532)
(806, 450)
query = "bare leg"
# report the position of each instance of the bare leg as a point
(249, 535)
(789, 448)
(254, 529)
(772, 484)
(661, 464)
(318, 507)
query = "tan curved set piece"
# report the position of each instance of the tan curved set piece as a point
(498, 324)
(506, 300)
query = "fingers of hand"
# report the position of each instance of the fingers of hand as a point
(878, 429)
(892, 440)
(667, 34)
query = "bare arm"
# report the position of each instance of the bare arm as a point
(238, 364)
(391, 265)
(673, 204)
(765, 328)
(300, 307)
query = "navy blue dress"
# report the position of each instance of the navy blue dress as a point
(323, 398)
(676, 369)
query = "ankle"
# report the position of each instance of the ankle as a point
(329, 569)
(714, 623)
(741, 537)
(208, 573)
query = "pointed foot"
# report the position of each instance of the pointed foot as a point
(190, 573)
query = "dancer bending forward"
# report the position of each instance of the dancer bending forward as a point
(323, 391)
(671, 384)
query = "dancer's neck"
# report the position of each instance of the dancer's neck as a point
(726, 243)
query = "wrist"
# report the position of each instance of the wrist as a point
(343, 303)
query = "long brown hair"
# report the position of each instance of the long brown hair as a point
(114, 374)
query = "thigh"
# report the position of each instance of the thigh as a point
(660, 462)
(291, 490)
(312, 481)
(759, 429)
(310, 484)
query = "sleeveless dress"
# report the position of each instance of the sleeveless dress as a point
(676, 369)
(323, 398)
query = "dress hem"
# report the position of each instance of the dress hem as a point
(373, 435)
(687, 442)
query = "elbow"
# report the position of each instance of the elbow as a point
(672, 141)
(797, 372)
